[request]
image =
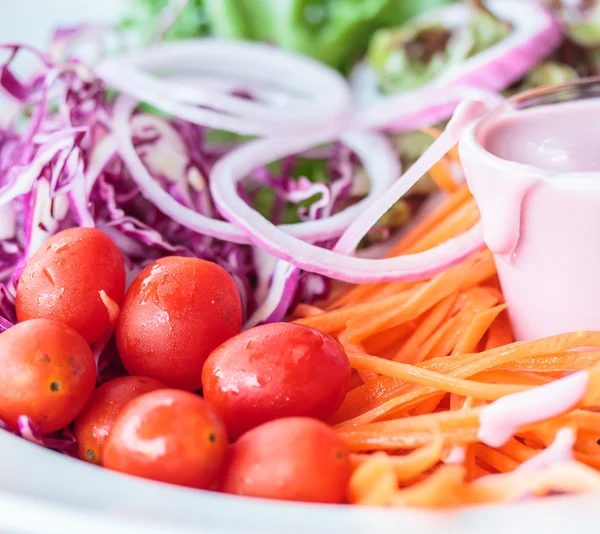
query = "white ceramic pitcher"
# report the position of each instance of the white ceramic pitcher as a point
(543, 226)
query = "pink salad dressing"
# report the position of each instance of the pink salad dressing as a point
(501, 419)
(457, 455)
(559, 138)
(560, 450)
(535, 174)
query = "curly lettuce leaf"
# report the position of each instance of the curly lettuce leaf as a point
(548, 73)
(414, 54)
(581, 20)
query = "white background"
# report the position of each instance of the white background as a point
(37, 17)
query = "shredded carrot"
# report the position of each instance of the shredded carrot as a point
(463, 219)
(517, 451)
(366, 485)
(426, 350)
(569, 477)
(373, 482)
(496, 459)
(503, 377)
(439, 489)
(384, 340)
(365, 374)
(438, 288)
(334, 321)
(306, 310)
(432, 320)
(476, 300)
(552, 363)
(444, 210)
(476, 329)
(399, 395)
(441, 174)
(499, 333)
(428, 356)
(425, 377)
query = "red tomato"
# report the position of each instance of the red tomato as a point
(174, 314)
(273, 371)
(47, 372)
(95, 422)
(294, 459)
(168, 435)
(64, 278)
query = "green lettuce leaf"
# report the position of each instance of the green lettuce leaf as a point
(548, 73)
(142, 17)
(409, 56)
(336, 32)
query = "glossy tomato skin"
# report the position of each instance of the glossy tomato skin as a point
(174, 314)
(63, 280)
(273, 371)
(95, 422)
(47, 372)
(294, 459)
(168, 435)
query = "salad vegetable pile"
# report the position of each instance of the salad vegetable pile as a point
(180, 224)
(334, 32)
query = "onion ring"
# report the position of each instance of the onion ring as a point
(326, 94)
(534, 36)
(317, 230)
(235, 166)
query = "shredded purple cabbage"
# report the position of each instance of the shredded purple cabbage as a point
(59, 167)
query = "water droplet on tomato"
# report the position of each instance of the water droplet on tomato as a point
(231, 382)
(161, 317)
(59, 247)
(298, 352)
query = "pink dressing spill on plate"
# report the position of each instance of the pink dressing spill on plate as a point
(457, 455)
(561, 450)
(501, 419)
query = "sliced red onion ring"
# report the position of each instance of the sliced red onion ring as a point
(235, 166)
(316, 96)
(313, 231)
(413, 110)
(284, 283)
(535, 35)
(5, 324)
(464, 115)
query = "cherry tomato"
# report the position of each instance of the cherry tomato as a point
(168, 435)
(95, 422)
(273, 371)
(294, 459)
(64, 278)
(47, 372)
(174, 314)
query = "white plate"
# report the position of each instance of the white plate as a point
(42, 492)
